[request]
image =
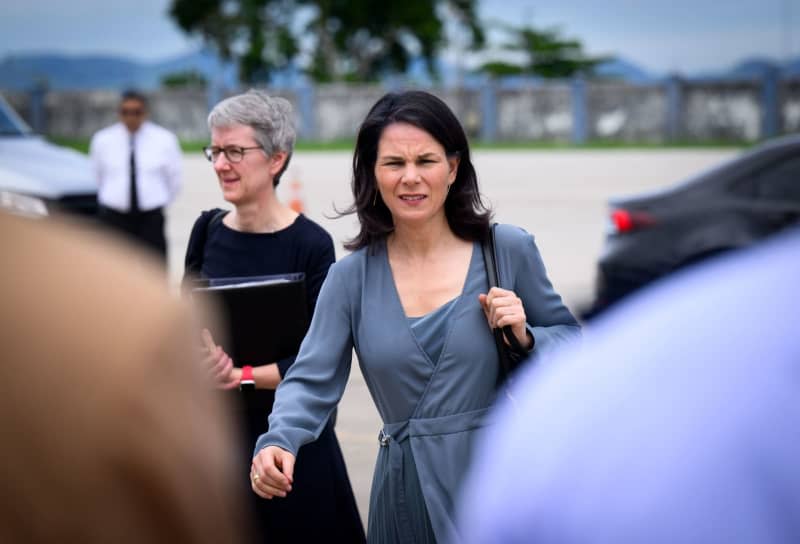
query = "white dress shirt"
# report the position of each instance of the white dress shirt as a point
(158, 166)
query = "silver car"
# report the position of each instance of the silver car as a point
(36, 173)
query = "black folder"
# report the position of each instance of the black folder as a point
(264, 317)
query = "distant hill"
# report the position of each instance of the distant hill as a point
(756, 67)
(620, 68)
(22, 71)
(203, 62)
(617, 68)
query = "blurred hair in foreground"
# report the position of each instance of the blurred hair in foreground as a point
(110, 431)
(677, 420)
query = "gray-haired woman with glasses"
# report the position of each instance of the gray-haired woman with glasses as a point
(252, 139)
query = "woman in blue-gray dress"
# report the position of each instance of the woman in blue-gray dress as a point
(412, 300)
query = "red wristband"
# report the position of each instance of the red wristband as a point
(247, 381)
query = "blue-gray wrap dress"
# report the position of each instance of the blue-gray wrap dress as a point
(430, 409)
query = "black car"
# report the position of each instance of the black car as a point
(727, 208)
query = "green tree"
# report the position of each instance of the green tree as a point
(190, 78)
(361, 41)
(545, 53)
(335, 39)
(256, 33)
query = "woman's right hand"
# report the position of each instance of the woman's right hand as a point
(219, 364)
(271, 473)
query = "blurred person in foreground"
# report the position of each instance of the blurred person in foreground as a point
(252, 140)
(138, 169)
(677, 421)
(412, 300)
(111, 431)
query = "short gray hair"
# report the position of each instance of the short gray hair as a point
(270, 117)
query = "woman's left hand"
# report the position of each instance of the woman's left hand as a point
(219, 364)
(503, 307)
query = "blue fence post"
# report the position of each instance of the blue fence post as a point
(580, 118)
(213, 94)
(214, 88)
(488, 111)
(37, 112)
(770, 119)
(306, 100)
(674, 92)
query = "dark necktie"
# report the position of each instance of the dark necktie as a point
(134, 208)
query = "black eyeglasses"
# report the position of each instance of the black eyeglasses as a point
(233, 153)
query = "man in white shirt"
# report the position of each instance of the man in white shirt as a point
(138, 168)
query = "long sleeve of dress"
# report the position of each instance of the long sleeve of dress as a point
(316, 381)
(521, 269)
(319, 262)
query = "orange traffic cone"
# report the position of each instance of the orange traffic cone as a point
(296, 200)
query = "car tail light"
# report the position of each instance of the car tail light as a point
(627, 221)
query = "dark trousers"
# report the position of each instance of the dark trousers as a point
(145, 228)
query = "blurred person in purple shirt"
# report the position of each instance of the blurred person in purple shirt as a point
(677, 419)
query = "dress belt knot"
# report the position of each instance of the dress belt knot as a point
(393, 432)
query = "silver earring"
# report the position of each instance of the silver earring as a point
(375, 197)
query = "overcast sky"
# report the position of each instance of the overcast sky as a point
(661, 36)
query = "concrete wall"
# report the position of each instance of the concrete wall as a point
(78, 114)
(722, 112)
(73, 113)
(620, 112)
(182, 111)
(466, 104)
(578, 111)
(339, 109)
(541, 112)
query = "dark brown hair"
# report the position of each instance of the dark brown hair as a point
(466, 213)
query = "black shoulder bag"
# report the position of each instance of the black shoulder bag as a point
(511, 354)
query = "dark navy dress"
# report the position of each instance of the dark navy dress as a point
(321, 507)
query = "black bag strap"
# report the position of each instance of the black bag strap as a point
(215, 220)
(507, 364)
(195, 264)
